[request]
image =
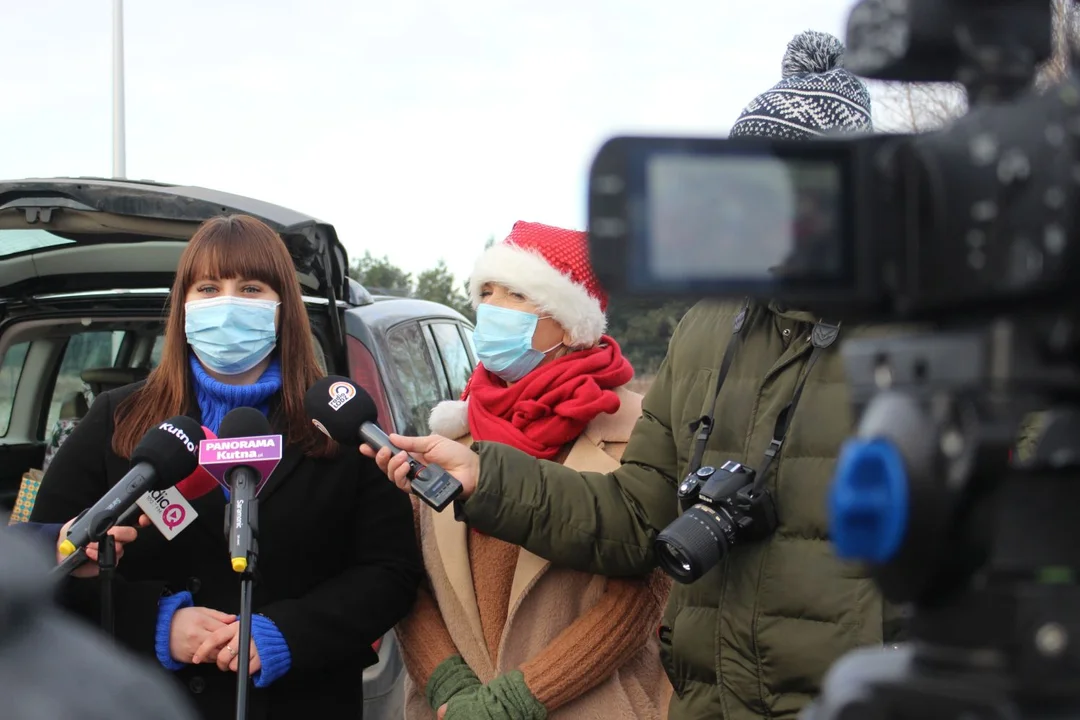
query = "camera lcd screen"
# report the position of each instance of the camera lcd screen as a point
(752, 221)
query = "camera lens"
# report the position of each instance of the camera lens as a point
(693, 544)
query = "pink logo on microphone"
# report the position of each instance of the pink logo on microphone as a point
(262, 453)
(173, 516)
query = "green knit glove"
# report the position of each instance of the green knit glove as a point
(451, 677)
(504, 698)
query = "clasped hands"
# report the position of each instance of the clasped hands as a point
(455, 693)
(197, 634)
(200, 634)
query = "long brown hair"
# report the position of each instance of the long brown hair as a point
(237, 246)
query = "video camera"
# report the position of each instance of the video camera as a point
(966, 236)
(974, 219)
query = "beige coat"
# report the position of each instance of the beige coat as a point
(544, 600)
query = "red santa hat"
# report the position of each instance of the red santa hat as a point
(549, 266)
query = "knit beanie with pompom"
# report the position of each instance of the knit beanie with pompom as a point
(816, 96)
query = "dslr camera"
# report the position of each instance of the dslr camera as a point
(966, 240)
(722, 507)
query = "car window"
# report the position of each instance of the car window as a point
(83, 351)
(467, 332)
(155, 353)
(455, 357)
(10, 371)
(440, 373)
(415, 378)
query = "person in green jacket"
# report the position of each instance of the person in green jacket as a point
(754, 636)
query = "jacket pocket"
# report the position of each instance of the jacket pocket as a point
(666, 635)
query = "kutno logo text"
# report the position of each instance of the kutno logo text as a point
(179, 434)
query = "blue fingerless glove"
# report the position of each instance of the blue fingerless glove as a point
(274, 655)
(167, 607)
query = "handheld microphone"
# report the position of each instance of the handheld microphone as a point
(345, 412)
(169, 509)
(165, 455)
(241, 458)
(193, 487)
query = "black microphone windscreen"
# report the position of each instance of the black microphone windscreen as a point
(338, 407)
(244, 422)
(172, 449)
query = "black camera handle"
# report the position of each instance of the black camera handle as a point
(822, 337)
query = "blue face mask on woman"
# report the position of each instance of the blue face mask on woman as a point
(503, 341)
(231, 335)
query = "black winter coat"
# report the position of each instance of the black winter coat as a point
(338, 566)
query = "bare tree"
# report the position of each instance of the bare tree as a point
(917, 107)
(1065, 36)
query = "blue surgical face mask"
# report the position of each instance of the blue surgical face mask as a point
(503, 341)
(231, 335)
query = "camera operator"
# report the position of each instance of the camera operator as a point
(97, 681)
(749, 635)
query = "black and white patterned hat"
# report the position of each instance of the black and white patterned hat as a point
(817, 96)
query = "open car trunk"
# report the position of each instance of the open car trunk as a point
(71, 235)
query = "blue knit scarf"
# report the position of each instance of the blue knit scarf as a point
(216, 398)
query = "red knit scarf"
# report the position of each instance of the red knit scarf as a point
(550, 406)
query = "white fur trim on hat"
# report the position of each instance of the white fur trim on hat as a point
(450, 418)
(552, 292)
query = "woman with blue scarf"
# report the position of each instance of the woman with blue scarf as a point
(338, 561)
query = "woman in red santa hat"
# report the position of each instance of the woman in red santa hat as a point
(499, 632)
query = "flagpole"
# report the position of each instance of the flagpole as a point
(119, 156)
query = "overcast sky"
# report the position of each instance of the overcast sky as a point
(419, 128)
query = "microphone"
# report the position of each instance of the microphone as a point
(169, 509)
(345, 412)
(193, 487)
(241, 458)
(165, 455)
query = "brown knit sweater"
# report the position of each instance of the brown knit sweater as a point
(583, 656)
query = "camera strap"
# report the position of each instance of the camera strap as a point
(822, 337)
(703, 426)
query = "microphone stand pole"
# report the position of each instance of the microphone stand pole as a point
(247, 583)
(106, 569)
(106, 573)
